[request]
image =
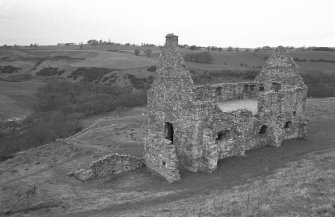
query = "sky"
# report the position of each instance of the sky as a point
(222, 23)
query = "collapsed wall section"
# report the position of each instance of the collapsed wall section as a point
(108, 165)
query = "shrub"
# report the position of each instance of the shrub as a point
(140, 83)
(323, 49)
(9, 69)
(137, 52)
(152, 69)
(90, 74)
(322, 60)
(299, 60)
(50, 71)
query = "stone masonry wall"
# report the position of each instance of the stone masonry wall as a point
(196, 157)
(227, 91)
(287, 100)
(162, 158)
(280, 67)
(287, 108)
(114, 164)
(237, 132)
(108, 165)
(224, 134)
(187, 129)
(170, 102)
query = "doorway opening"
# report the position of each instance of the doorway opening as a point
(168, 131)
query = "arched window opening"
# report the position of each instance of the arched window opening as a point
(288, 124)
(276, 86)
(222, 135)
(218, 91)
(263, 129)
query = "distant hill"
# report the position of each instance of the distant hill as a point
(119, 66)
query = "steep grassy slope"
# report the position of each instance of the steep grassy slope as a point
(15, 98)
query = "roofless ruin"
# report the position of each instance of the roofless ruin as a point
(192, 127)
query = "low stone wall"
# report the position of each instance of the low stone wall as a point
(227, 91)
(114, 164)
(108, 165)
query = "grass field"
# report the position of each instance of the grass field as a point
(124, 60)
(233, 60)
(33, 60)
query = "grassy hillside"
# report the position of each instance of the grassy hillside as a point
(15, 98)
(118, 66)
(267, 182)
(32, 61)
(296, 179)
(18, 67)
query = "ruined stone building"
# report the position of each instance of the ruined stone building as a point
(192, 127)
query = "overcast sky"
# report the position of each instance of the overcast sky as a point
(242, 23)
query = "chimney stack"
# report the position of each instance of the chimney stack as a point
(171, 41)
